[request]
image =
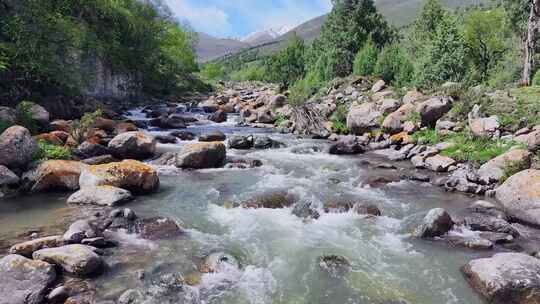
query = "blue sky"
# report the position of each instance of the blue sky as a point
(237, 18)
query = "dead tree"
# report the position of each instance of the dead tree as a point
(309, 119)
(529, 47)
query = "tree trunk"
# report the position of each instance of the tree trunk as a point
(529, 47)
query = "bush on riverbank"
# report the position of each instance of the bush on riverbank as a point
(48, 151)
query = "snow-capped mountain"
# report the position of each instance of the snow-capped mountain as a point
(268, 35)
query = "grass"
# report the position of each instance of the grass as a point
(466, 147)
(280, 120)
(339, 119)
(47, 151)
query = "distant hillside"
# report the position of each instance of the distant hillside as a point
(398, 12)
(265, 36)
(209, 48)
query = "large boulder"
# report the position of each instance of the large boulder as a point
(363, 118)
(494, 170)
(436, 223)
(29, 247)
(17, 147)
(439, 163)
(7, 177)
(79, 260)
(520, 196)
(241, 142)
(348, 145)
(131, 175)
(170, 122)
(433, 109)
(393, 123)
(101, 196)
(531, 140)
(8, 115)
(90, 149)
(24, 281)
(218, 116)
(213, 136)
(133, 145)
(54, 175)
(38, 113)
(485, 127)
(505, 278)
(202, 155)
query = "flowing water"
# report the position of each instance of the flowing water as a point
(278, 251)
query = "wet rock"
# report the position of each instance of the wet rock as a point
(131, 296)
(505, 278)
(520, 197)
(475, 243)
(89, 149)
(170, 122)
(58, 295)
(55, 175)
(131, 175)
(494, 170)
(497, 237)
(166, 139)
(433, 109)
(488, 208)
(212, 136)
(17, 147)
(132, 145)
(101, 196)
(243, 163)
(363, 118)
(335, 265)
(7, 177)
(439, 163)
(270, 200)
(348, 145)
(24, 281)
(481, 222)
(158, 228)
(265, 142)
(218, 116)
(98, 242)
(202, 155)
(241, 142)
(99, 160)
(79, 260)
(436, 223)
(27, 248)
(124, 127)
(166, 159)
(183, 135)
(82, 229)
(305, 210)
(218, 262)
(8, 115)
(359, 208)
(419, 177)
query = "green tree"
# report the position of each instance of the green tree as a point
(347, 28)
(366, 59)
(288, 65)
(393, 65)
(485, 34)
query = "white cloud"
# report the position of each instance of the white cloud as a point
(209, 19)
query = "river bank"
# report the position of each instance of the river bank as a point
(271, 218)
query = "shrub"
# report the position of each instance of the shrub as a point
(249, 73)
(303, 89)
(366, 59)
(80, 128)
(47, 151)
(536, 79)
(24, 117)
(426, 137)
(280, 120)
(339, 120)
(212, 71)
(394, 66)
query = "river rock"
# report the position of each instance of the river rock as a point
(218, 262)
(306, 210)
(183, 135)
(82, 229)
(101, 196)
(131, 175)
(485, 127)
(241, 142)
(212, 136)
(348, 145)
(531, 140)
(158, 228)
(520, 196)
(494, 170)
(335, 265)
(7, 177)
(79, 260)
(482, 222)
(60, 125)
(124, 127)
(89, 149)
(265, 142)
(24, 281)
(55, 175)
(133, 145)
(100, 160)
(505, 278)
(202, 155)
(170, 122)
(27, 248)
(433, 109)
(104, 124)
(393, 122)
(439, 163)
(166, 139)
(378, 86)
(270, 200)
(17, 147)
(436, 223)
(131, 296)
(363, 118)
(218, 116)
